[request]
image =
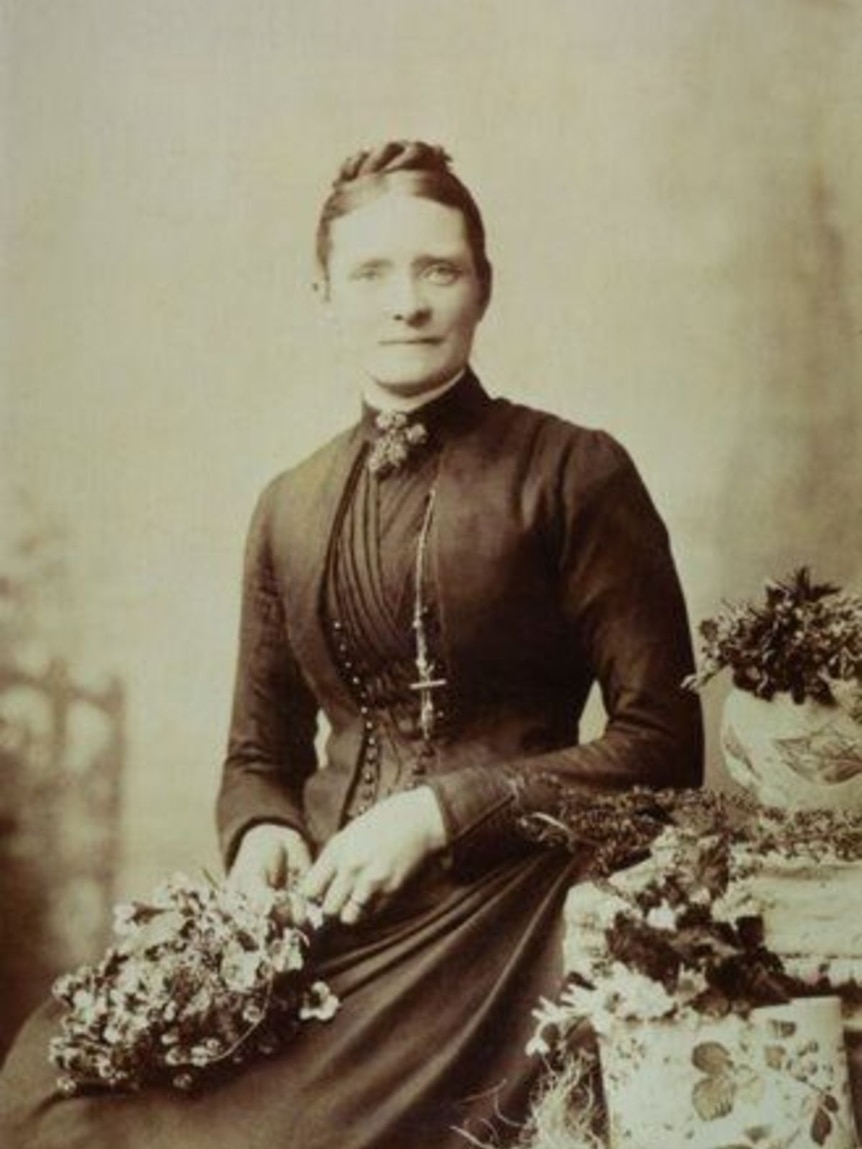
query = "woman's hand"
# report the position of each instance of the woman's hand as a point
(269, 855)
(375, 854)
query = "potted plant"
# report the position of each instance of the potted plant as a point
(707, 1037)
(792, 725)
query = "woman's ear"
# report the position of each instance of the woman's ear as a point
(320, 287)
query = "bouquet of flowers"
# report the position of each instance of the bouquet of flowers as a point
(676, 931)
(804, 639)
(202, 978)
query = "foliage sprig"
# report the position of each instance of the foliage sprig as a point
(803, 639)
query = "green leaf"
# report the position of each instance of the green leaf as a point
(713, 1097)
(711, 1057)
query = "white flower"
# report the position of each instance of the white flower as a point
(690, 984)
(305, 911)
(124, 918)
(537, 1046)
(318, 1002)
(841, 971)
(199, 1055)
(700, 896)
(665, 848)
(662, 917)
(628, 994)
(576, 1002)
(64, 986)
(552, 1012)
(591, 906)
(83, 1000)
(240, 968)
(253, 1013)
(165, 895)
(737, 901)
(285, 953)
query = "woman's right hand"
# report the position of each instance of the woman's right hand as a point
(269, 855)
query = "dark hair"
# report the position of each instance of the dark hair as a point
(419, 169)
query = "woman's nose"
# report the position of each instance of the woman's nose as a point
(405, 300)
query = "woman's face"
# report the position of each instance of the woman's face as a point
(404, 290)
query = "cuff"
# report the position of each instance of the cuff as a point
(249, 800)
(231, 845)
(480, 816)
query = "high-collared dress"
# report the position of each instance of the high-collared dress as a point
(528, 555)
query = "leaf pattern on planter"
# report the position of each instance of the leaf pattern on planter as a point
(758, 1133)
(782, 1028)
(713, 1097)
(711, 1057)
(732, 744)
(723, 1083)
(826, 756)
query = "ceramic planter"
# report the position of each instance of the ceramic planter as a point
(776, 1079)
(801, 755)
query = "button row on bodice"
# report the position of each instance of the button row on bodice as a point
(373, 705)
(369, 777)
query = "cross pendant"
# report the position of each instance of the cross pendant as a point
(426, 685)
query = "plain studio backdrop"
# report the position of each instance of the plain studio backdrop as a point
(672, 193)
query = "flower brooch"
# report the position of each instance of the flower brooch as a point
(397, 440)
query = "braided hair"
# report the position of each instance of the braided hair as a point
(411, 167)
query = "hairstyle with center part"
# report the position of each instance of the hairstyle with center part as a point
(409, 167)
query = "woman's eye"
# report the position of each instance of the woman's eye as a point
(442, 273)
(367, 273)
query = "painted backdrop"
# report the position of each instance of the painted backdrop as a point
(672, 193)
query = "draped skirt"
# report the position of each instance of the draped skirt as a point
(427, 1050)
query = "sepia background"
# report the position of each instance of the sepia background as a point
(672, 193)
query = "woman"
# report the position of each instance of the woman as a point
(445, 580)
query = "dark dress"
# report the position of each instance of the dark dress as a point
(546, 568)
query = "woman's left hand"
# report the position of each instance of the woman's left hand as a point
(376, 853)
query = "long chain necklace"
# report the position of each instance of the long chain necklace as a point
(426, 683)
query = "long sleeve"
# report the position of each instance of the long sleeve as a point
(271, 741)
(624, 610)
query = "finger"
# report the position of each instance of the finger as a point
(337, 895)
(297, 861)
(271, 866)
(357, 906)
(318, 877)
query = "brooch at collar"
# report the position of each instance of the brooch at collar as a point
(397, 440)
